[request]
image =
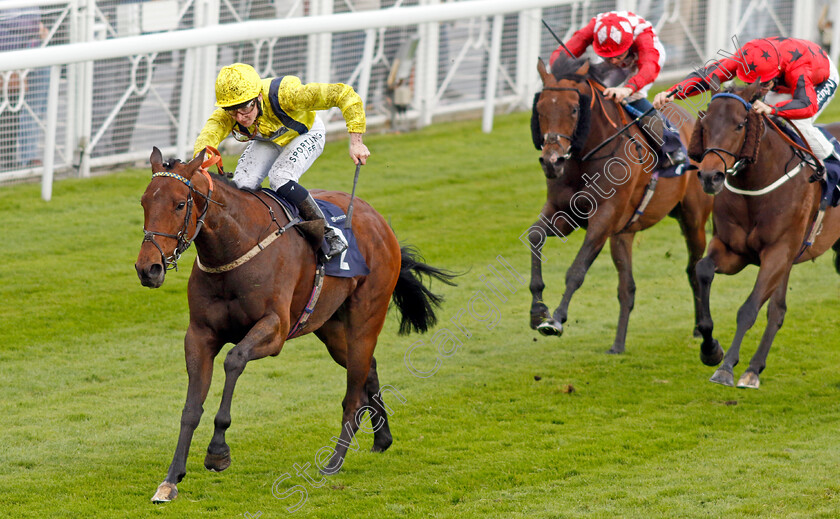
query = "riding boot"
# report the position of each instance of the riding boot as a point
(667, 146)
(310, 211)
(819, 172)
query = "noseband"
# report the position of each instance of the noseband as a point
(183, 243)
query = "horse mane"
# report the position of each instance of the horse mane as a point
(172, 162)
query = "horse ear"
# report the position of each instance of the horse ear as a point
(695, 145)
(544, 74)
(751, 92)
(196, 162)
(584, 69)
(156, 157)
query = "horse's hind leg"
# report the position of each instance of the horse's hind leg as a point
(363, 321)
(333, 336)
(621, 250)
(265, 338)
(776, 309)
(692, 215)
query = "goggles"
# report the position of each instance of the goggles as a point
(242, 109)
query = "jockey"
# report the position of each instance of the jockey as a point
(627, 42)
(797, 76)
(277, 117)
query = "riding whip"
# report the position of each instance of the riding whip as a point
(557, 38)
(348, 223)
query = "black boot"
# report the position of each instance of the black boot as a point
(310, 211)
(665, 143)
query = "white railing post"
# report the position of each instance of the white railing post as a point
(426, 68)
(527, 53)
(319, 54)
(85, 91)
(492, 73)
(49, 135)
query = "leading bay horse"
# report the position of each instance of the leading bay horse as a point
(251, 282)
(602, 191)
(764, 214)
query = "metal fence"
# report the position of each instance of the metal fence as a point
(409, 71)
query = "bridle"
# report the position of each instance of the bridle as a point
(739, 163)
(183, 243)
(554, 138)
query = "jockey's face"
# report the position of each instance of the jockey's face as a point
(623, 60)
(247, 114)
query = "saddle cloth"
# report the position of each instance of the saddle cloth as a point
(349, 263)
(832, 168)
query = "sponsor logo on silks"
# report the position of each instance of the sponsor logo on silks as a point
(826, 91)
(338, 218)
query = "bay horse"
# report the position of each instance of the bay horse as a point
(764, 213)
(600, 188)
(248, 294)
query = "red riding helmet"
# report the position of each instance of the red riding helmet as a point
(613, 35)
(761, 59)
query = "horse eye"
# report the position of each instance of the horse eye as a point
(575, 110)
(181, 206)
(740, 126)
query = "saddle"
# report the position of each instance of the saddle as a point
(349, 264)
(831, 182)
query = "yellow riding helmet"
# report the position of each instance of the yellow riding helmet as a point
(237, 84)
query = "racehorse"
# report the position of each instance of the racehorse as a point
(597, 178)
(247, 290)
(764, 214)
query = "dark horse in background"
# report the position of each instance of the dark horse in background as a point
(603, 192)
(253, 296)
(741, 159)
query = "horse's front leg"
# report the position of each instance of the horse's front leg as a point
(776, 309)
(265, 338)
(596, 237)
(540, 317)
(719, 259)
(774, 271)
(200, 348)
(621, 250)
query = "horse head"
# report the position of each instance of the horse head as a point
(563, 111)
(726, 137)
(173, 216)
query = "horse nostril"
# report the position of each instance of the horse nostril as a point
(719, 176)
(155, 270)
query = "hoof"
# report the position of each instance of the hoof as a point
(714, 358)
(332, 468)
(615, 350)
(749, 380)
(217, 462)
(381, 446)
(166, 492)
(550, 327)
(723, 377)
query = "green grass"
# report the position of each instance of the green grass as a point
(94, 379)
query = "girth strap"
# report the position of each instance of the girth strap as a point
(297, 329)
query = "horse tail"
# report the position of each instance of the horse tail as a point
(836, 248)
(415, 301)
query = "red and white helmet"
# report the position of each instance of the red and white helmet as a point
(613, 35)
(762, 60)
